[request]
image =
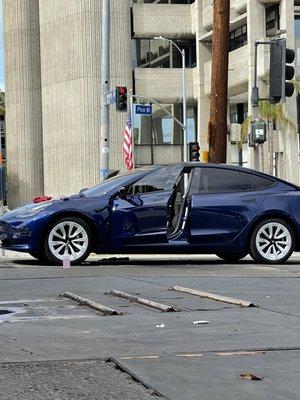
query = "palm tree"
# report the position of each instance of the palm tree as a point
(2, 102)
(270, 113)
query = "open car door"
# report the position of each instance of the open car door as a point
(141, 216)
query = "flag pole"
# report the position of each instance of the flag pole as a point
(132, 125)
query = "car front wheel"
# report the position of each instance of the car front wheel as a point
(272, 242)
(69, 238)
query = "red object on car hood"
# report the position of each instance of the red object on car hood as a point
(41, 199)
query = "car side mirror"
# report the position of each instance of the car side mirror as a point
(121, 192)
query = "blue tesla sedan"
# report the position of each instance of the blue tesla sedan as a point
(190, 208)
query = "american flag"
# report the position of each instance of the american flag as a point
(128, 144)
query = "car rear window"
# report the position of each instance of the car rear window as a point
(218, 180)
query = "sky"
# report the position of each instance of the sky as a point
(1, 50)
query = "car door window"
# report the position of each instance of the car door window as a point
(162, 179)
(219, 180)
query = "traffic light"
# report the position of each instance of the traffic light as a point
(194, 149)
(280, 71)
(121, 98)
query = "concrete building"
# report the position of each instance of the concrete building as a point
(52, 70)
(52, 59)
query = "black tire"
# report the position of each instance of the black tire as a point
(57, 259)
(40, 257)
(256, 253)
(231, 257)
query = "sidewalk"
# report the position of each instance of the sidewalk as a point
(10, 255)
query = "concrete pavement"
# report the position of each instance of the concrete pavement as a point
(180, 360)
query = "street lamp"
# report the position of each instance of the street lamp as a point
(182, 52)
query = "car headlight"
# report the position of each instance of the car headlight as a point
(31, 210)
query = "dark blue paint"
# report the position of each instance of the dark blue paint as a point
(140, 219)
(219, 218)
(138, 223)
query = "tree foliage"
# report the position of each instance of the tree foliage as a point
(2, 102)
(270, 113)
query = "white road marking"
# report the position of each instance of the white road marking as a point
(48, 318)
(25, 301)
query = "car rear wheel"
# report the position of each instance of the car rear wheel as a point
(38, 256)
(232, 257)
(272, 242)
(70, 238)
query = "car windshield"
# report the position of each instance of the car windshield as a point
(112, 184)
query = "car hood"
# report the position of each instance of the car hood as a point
(27, 209)
(76, 202)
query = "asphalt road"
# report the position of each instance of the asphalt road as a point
(51, 347)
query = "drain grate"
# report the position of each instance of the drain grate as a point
(4, 312)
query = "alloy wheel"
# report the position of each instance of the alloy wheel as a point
(68, 239)
(273, 241)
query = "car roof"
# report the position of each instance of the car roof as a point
(231, 167)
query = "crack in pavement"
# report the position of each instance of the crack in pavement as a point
(161, 355)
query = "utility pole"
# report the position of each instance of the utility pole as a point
(219, 82)
(105, 75)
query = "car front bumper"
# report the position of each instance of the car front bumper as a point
(15, 237)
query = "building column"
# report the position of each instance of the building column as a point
(70, 71)
(23, 100)
(256, 31)
(203, 56)
(121, 75)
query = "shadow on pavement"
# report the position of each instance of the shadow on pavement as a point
(127, 261)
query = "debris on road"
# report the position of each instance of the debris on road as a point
(213, 296)
(66, 262)
(200, 322)
(190, 355)
(160, 326)
(96, 306)
(251, 377)
(139, 358)
(142, 301)
(239, 353)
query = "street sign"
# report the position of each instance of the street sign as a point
(111, 97)
(142, 109)
(259, 132)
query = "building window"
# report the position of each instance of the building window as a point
(152, 53)
(272, 20)
(158, 139)
(238, 38)
(165, 1)
(297, 26)
(238, 113)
